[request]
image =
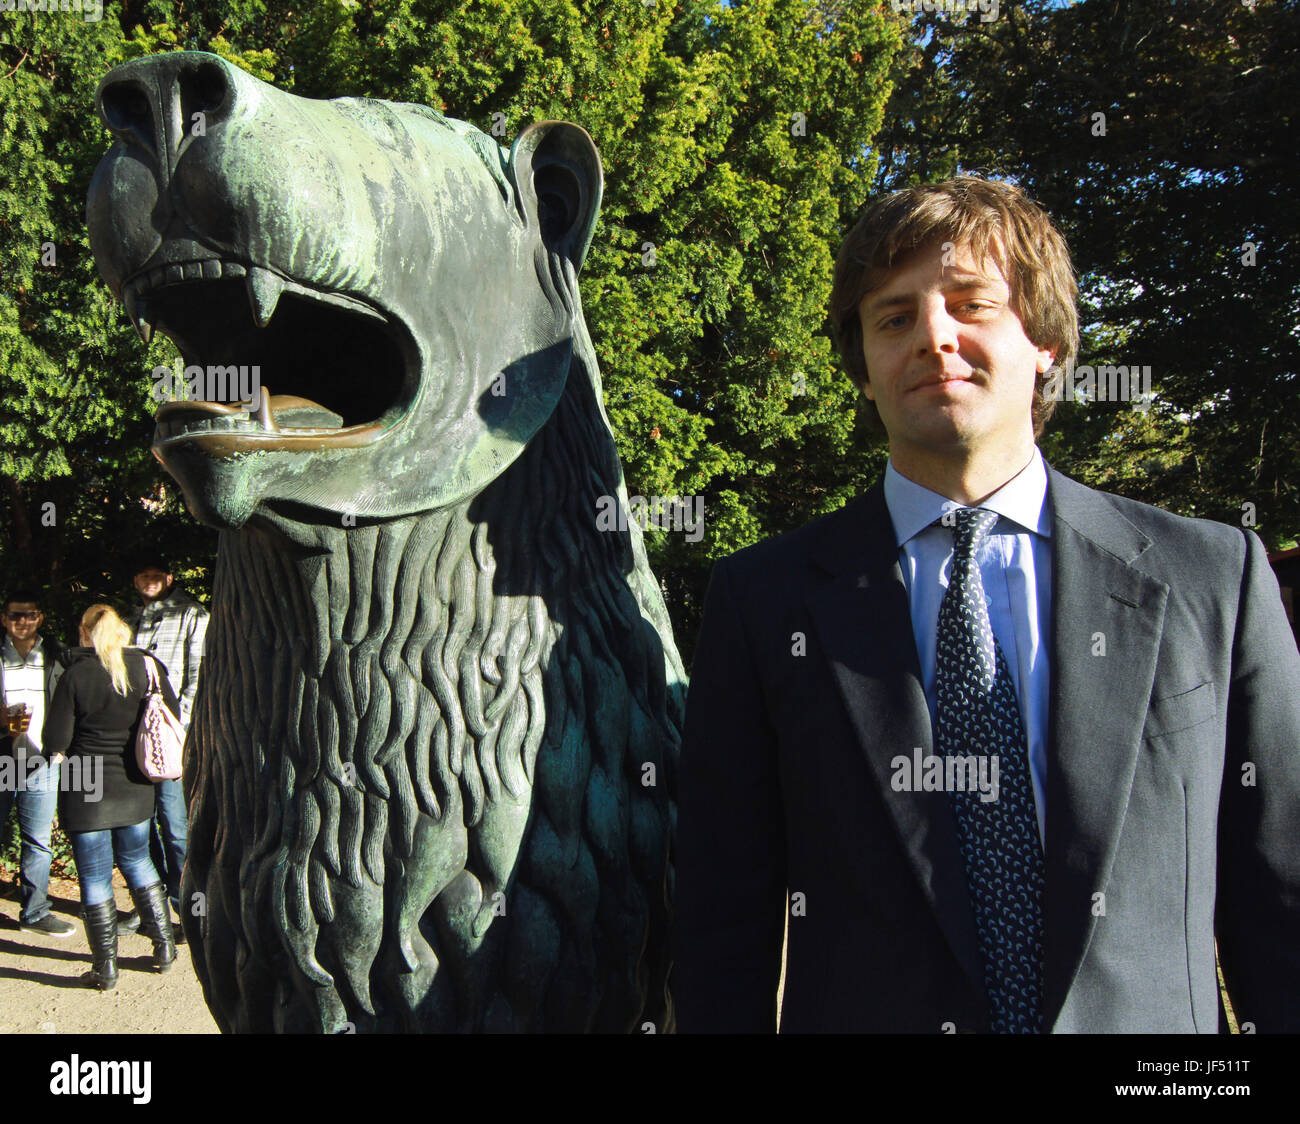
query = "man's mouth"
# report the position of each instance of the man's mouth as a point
(945, 380)
(269, 363)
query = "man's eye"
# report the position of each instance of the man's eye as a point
(894, 321)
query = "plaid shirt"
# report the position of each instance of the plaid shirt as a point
(173, 628)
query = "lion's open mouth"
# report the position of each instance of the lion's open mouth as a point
(269, 363)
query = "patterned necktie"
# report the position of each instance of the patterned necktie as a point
(977, 714)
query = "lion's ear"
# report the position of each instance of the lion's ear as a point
(558, 183)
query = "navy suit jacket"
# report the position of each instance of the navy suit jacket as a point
(1173, 788)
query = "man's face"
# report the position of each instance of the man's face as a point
(22, 619)
(152, 584)
(949, 366)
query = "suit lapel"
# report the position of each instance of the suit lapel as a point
(862, 619)
(1098, 707)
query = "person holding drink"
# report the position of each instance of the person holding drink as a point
(30, 668)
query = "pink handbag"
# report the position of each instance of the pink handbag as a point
(160, 737)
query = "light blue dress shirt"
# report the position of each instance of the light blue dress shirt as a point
(1015, 564)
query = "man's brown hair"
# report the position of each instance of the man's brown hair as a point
(997, 221)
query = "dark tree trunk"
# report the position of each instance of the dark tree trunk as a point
(22, 528)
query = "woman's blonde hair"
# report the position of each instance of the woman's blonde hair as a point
(109, 634)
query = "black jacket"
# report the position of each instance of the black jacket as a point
(1159, 838)
(90, 720)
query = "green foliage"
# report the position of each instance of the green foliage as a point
(75, 418)
(734, 145)
(1197, 158)
(739, 141)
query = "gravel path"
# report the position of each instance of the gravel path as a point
(40, 992)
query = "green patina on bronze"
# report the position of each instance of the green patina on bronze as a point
(431, 771)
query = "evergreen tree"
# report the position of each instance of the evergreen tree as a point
(734, 141)
(1161, 138)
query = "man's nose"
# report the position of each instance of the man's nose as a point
(160, 104)
(936, 330)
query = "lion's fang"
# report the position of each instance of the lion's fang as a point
(264, 289)
(138, 310)
(264, 415)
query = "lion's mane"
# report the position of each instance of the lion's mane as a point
(433, 759)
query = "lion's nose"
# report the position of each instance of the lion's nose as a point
(159, 103)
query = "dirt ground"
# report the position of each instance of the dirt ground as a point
(40, 992)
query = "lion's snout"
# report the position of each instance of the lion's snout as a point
(155, 104)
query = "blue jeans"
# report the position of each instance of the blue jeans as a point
(94, 851)
(168, 838)
(36, 792)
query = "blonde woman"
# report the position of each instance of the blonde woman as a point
(95, 711)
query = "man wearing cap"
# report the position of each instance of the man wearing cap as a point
(171, 625)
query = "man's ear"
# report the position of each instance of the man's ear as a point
(865, 386)
(1045, 360)
(558, 182)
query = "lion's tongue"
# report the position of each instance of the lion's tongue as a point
(273, 412)
(289, 411)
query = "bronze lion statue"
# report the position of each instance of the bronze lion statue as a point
(432, 765)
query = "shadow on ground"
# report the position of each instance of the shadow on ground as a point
(40, 990)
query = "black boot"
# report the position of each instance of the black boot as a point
(101, 933)
(128, 922)
(156, 923)
(178, 926)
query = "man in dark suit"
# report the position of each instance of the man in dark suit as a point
(1012, 752)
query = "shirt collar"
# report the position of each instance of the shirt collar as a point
(10, 651)
(1022, 499)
